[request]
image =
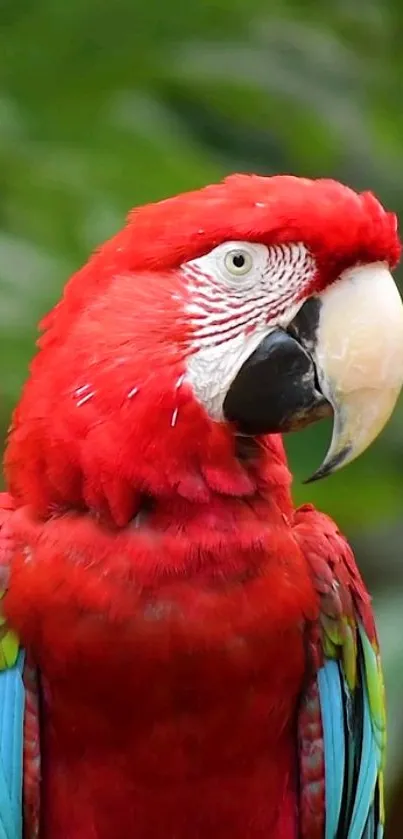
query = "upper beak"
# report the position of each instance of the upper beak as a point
(342, 354)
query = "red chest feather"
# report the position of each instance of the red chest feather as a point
(169, 692)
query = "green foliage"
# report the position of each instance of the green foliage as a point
(107, 105)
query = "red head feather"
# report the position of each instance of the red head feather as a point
(106, 416)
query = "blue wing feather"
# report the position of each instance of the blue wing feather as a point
(369, 830)
(11, 750)
(331, 702)
(380, 832)
(368, 772)
(352, 750)
(342, 725)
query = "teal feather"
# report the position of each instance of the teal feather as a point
(334, 742)
(369, 831)
(344, 800)
(368, 772)
(11, 750)
(351, 805)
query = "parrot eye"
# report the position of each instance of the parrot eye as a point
(238, 262)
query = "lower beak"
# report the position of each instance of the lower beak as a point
(342, 355)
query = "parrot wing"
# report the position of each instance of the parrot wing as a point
(19, 716)
(342, 724)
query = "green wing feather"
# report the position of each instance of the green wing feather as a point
(9, 645)
(342, 718)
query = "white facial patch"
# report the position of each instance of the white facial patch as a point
(239, 292)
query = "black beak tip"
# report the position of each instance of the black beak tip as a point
(320, 473)
(330, 466)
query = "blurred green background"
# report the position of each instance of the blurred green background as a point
(107, 105)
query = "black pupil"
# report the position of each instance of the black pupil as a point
(238, 260)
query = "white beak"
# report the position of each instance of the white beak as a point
(358, 356)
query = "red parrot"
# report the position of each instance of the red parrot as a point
(186, 655)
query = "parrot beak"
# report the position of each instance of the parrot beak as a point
(341, 355)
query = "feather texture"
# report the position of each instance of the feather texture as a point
(331, 703)
(8, 639)
(350, 694)
(19, 716)
(11, 750)
(11, 702)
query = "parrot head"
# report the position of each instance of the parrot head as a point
(250, 307)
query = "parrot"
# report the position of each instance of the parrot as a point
(185, 653)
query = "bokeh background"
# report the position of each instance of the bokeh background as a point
(104, 105)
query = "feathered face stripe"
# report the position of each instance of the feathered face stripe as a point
(237, 293)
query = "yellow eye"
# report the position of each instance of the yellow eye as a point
(238, 262)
